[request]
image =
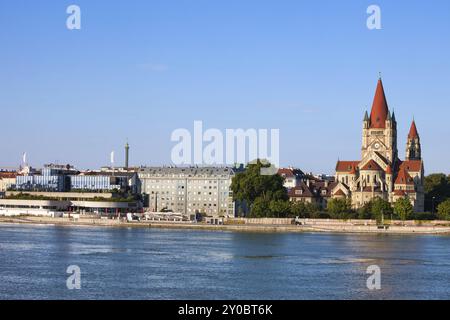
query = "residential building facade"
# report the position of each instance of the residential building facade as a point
(313, 191)
(292, 177)
(7, 179)
(188, 190)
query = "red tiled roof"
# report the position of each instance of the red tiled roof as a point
(346, 166)
(285, 172)
(315, 189)
(413, 131)
(8, 175)
(369, 189)
(389, 169)
(372, 165)
(304, 191)
(339, 193)
(411, 165)
(288, 172)
(318, 186)
(380, 108)
(403, 178)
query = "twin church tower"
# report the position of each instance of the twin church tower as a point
(381, 173)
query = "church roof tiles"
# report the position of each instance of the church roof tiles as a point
(380, 109)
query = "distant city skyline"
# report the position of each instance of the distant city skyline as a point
(140, 70)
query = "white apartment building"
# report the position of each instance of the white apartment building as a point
(189, 190)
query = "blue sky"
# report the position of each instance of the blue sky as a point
(140, 69)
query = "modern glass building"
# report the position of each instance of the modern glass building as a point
(40, 183)
(96, 183)
(51, 178)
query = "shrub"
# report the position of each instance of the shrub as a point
(403, 208)
(443, 210)
(421, 216)
(339, 208)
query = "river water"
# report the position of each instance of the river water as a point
(129, 263)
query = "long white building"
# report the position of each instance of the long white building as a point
(189, 190)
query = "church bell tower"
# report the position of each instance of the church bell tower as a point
(380, 129)
(413, 148)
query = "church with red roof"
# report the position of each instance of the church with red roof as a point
(380, 172)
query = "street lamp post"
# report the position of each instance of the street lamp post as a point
(432, 204)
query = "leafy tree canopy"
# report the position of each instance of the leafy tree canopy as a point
(250, 185)
(339, 208)
(444, 210)
(436, 186)
(403, 208)
(380, 208)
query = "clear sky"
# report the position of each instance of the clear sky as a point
(140, 69)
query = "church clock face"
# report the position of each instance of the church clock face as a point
(376, 145)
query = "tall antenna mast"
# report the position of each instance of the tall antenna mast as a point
(127, 154)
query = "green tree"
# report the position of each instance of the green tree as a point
(436, 186)
(298, 208)
(280, 208)
(365, 212)
(444, 210)
(312, 210)
(260, 208)
(380, 208)
(250, 185)
(339, 208)
(403, 208)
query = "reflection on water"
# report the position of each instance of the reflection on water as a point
(186, 264)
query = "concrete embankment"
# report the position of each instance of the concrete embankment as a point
(253, 225)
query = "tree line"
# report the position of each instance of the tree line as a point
(265, 196)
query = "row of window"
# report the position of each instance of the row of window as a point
(184, 182)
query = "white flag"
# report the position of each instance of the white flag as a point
(24, 157)
(112, 157)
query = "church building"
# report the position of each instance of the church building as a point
(380, 172)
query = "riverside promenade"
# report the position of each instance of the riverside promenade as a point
(254, 225)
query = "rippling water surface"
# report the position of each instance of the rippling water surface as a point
(122, 263)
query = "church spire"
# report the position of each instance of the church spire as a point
(413, 134)
(380, 109)
(413, 148)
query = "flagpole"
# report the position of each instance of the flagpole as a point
(112, 162)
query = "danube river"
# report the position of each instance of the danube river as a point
(125, 263)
